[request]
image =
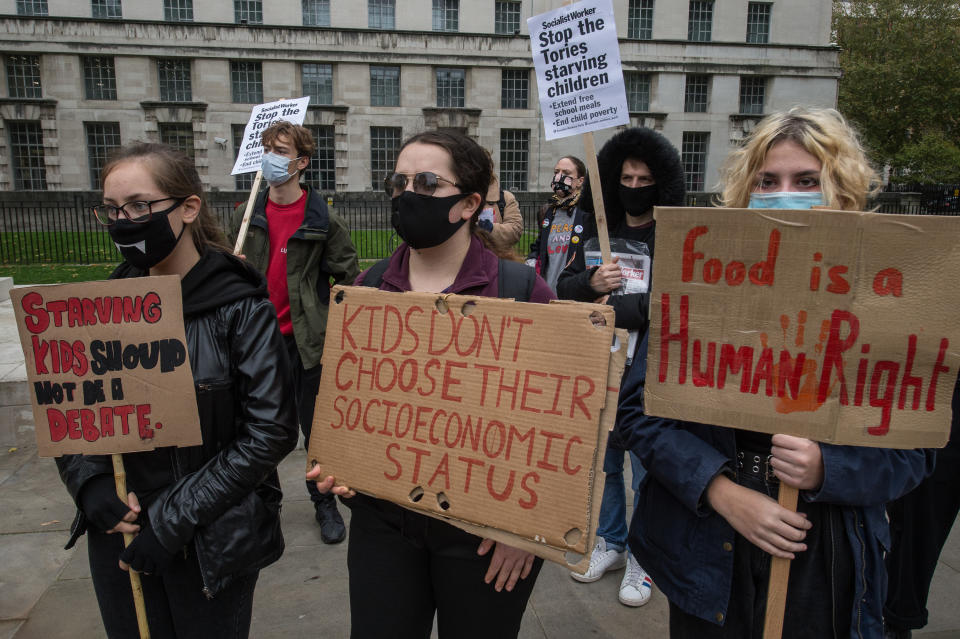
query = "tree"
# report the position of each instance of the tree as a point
(930, 160)
(901, 74)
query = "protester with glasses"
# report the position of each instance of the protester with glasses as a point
(406, 567)
(562, 221)
(206, 518)
(708, 503)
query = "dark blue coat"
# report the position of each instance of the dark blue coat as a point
(680, 541)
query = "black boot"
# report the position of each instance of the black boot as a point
(332, 530)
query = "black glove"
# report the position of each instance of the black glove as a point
(99, 502)
(146, 554)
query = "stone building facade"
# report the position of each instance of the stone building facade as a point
(83, 76)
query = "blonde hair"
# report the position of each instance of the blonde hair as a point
(846, 177)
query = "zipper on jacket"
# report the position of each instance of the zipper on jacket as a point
(177, 475)
(863, 567)
(831, 530)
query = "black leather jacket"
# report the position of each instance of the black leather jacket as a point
(223, 496)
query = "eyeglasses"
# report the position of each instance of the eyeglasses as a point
(138, 212)
(424, 183)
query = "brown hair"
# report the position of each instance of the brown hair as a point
(578, 163)
(299, 136)
(473, 168)
(175, 175)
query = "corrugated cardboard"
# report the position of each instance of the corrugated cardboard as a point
(108, 366)
(868, 300)
(416, 405)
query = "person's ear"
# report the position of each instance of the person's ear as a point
(303, 162)
(468, 207)
(191, 209)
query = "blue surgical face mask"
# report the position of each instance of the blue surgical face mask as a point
(786, 200)
(274, 168)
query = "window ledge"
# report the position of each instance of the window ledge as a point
(336, 108)
(40, 101)
(160, 104)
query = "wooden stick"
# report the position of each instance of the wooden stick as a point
(600, 214)
(120, 478)
(779, 574)
(245, 224)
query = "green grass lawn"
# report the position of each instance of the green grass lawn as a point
(64, 247)
(55, 273)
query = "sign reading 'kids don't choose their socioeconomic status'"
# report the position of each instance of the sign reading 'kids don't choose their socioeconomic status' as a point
(577, 58)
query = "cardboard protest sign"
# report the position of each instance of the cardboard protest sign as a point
(577, 59)
(831, 325)
(262, 116)
(107, 365)
(481, 411)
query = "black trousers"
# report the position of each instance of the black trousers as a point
(819, 590)
(306, 382)
(920, 522)
(175, 603)
(404, 567)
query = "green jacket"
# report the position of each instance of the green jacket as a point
(319, 254)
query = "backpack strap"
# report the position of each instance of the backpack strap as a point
(515, 280)
(374, 274)
(502, 203)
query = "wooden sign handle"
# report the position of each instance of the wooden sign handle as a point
(779, 574)
(599, 213)
(120, 478)
(245, 224)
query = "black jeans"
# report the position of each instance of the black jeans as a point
(920, 523)
(819, 591)
(306, 382)
(405, 566)
(175, 603)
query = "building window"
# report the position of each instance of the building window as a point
(695, 95)
(316, 13)
(381, 14)
(174, 78)
(321, 173)
(99, 78)
(242, 181)
(640, 20)
(102, 138)
(178, 10)
(514, 88)
(506, 18)
(514, 158)
(700, 24)
(693, 154)
(32, 8)
(384, 148)
(179, 135)
(246, 82)
(446, 15)
(753, 91)
(248, 11)
(758, 22)
(23, 76)
(317, 81)
(108, 9)
(26, 153)
(450, 83)
(385, 86)
(638, 90)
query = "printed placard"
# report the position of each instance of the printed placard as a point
(293, 110)
(478, 410)
(107, 365)
(577, 58)
(837, 326)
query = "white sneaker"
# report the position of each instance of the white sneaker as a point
(601, 560)
(635, 589)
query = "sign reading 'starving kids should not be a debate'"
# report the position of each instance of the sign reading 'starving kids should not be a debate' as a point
(836, 326)
(293, 110)
(477, 410)
(107, 366)
(577, 59)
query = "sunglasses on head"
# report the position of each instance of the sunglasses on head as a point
(424, 183)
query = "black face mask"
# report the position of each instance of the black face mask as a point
(423, 221)
(562, 185)
(639, 200)
(146, 244)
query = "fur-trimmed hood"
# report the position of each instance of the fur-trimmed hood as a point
(656, 152)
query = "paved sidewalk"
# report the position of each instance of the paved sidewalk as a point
(46, 592)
